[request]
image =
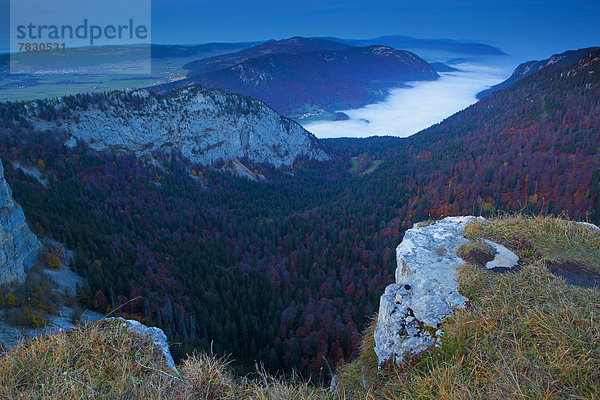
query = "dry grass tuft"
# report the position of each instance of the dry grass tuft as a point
(360, 376)
(207, 377)
(102, 360)
(270, 388)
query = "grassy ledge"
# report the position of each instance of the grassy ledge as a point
(525, 335)
(528, 334)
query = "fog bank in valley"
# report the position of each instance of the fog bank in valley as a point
(407, 111)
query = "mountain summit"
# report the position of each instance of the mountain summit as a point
(295, 45)
(329, 79)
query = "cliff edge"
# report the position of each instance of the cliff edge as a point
(19, 247)
(413, 309)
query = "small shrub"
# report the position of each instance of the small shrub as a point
(423, 224)
(27, 317)
(51, 259)
(12, 300)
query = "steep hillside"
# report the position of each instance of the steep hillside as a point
(535, 145)
(287, 270)
(203, 125)
(320, 80)
(561, 60)
(19, 247)
(295, 45)
(525, 334)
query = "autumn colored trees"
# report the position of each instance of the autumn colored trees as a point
(287, 271)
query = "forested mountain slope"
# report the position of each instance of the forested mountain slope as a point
(330, 80)
(287, 271)
(534, 144)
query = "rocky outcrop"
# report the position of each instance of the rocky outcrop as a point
(412, 310)
(19, 247)
(203, 125)
(504, 258)
(157, 336)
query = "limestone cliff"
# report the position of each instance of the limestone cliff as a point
(203, 125)
(413, 309)
(156, 335)
(19, 247)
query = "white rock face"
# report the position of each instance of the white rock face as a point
(19, 247)
(412, 310)
(157, 336)
(504, 257)
(204, 125)
(592, 226)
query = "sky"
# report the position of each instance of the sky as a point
(537, 28)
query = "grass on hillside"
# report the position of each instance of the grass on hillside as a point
(548, 238)
(524, 335)
(105, 360)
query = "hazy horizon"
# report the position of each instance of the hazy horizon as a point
(525, 29)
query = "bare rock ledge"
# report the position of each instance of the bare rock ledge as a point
(412, 310)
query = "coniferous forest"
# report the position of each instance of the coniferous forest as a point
(287, 271)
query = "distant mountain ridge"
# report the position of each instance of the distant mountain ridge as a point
(295, 45)
(204, 125)
(402, 42)
(204, 50)
(562, 60)
(294, 78)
